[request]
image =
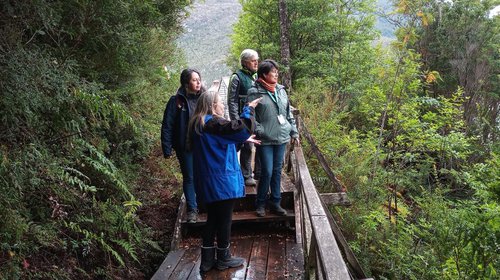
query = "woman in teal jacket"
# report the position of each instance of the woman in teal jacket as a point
(217, 174)
(275, 126)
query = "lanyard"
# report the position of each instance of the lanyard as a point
(274, 97)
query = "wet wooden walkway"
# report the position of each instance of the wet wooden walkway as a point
(305, 244)
(268, 244)
(268, 255)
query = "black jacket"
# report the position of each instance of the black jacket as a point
(175, 124)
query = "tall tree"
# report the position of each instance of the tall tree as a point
(285, 45)
(462, 44)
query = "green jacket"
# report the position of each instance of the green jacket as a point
(268, 127)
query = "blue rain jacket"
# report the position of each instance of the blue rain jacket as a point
(217, 173)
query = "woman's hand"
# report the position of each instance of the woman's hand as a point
(253, 140)
(255, 102)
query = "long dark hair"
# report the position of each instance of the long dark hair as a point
(186, 77)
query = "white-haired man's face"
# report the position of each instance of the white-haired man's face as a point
(252, 64)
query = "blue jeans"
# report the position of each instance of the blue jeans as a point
(271, 162)
(186, 162)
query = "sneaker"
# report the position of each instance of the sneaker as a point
(192, 216)
(250, 182)
(261, 211)
(278, 210)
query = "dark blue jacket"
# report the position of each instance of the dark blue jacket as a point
(175, 124)
(217, 173)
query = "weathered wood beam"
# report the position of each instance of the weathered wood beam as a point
(335, 199)
(344, 246)
(330, 255)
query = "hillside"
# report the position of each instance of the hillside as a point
(205, 40)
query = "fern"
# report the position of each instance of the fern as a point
(128, 247)
(104, 166)
(98, 238)
(153, 244)
(65, 176)
(101, 107)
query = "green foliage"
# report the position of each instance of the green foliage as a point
(394, 126)
(82, 89)
(329, 40)
(462, 43)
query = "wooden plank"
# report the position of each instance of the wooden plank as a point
(177, 234)
(306, 228)
(248, 216)
(287, 186)
(297, 195)
(295, 260)
(298, 216)
(240, 248)
(336, 199)
(329, 252)
(333, 266)
(258, 259)
(186, 263)
(344, 246)
(321, 158)
(195, 272)
(308, 189)
(276, 263)
(168, 265)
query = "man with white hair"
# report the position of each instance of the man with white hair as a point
(239, 83)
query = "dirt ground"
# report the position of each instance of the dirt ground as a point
(159, 190)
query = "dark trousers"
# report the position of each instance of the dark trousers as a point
(219, 218)
(246, 162)
(186, 162)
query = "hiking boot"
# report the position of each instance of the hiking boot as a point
(260, 211)
(192, 216)
(224, 259)
(250, 182)
(278, 210)
(207, 259)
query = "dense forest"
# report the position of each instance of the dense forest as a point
(411, 129)
(82, 89)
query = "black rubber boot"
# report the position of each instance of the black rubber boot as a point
(224, 259)
(207, 259)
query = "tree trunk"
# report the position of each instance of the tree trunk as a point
(285, 46)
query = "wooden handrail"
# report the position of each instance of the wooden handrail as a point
(317, 227)
(323, 256)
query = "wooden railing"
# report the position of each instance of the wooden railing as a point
(316, 229)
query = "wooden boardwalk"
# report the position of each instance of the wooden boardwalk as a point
(268, 254)
(268, 244)
(305, 244)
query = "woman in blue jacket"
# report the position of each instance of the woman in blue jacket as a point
(218, 178)
(179, 110)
